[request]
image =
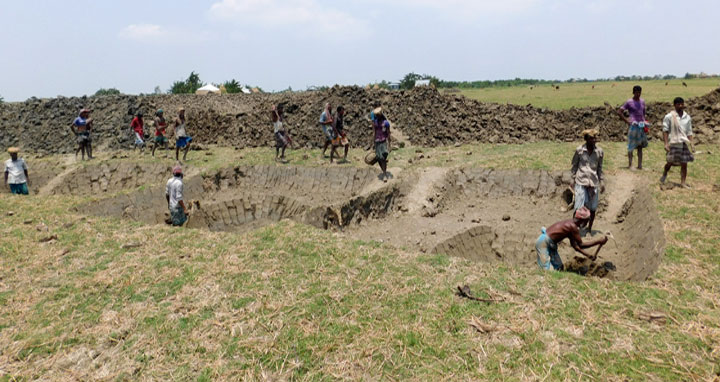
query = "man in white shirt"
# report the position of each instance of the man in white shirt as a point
(174, 197)
(16, 173)
(677, 133)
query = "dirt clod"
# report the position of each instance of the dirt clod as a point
(48, 238)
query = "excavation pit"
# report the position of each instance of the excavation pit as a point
(484, 215)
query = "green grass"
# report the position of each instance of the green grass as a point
(582, 94)
(290, 301)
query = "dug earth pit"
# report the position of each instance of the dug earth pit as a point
(485, 215)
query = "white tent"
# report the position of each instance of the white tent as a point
(209, 88)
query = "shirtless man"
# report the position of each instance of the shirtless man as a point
(547, 244)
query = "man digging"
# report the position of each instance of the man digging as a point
(677, 134)
(174, 197)
(587, 174)
(546, 245)
(16, 173)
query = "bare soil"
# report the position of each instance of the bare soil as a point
(481, 214)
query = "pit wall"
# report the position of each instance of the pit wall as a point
(426, 116)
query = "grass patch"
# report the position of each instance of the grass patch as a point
(289, 301)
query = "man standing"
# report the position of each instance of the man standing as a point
(588, 174)
(281, 139)
(174, 197)
(326, 121)
(547, 243)
(340, 135)
(137, 125)
(638, 126)
(381, 140)
(160, 128)
(677, 134)
(182, 140)
(81, 127)
(16, 173)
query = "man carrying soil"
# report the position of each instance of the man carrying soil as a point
(182, 140)
(326, 121)
(340, 135)
(587, 174)
(281, 136)
(160, 129)
(638, 126)
(16, 173)
(677, 134)
(381, 141)
(136, 126)
(174, 197)
(547, 243)
(81, 127)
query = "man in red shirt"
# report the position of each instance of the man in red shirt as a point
(137, 126)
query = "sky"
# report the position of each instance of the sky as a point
(75, 47)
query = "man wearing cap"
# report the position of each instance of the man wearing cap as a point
(137, 125)
(677, 134)
(587, 174)
(16, 173)
(182, 140)
(381, 141)
(546, 245)
(160, 128)
(174, 197)
(81, 127)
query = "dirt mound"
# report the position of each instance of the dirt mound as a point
(426, 116)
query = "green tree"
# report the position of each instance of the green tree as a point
(232, 86)
(107, 92)
(189, 86)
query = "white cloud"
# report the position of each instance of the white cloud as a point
(303, 16)
(144, 32)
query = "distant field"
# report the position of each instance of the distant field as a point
(583, 94)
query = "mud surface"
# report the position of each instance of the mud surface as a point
(480, 214)
(426, 117)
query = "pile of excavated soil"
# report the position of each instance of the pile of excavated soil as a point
(484, 215)
(426, 117)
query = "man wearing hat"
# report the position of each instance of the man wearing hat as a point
(174, 197)
(16, 173)
(81, 127)
(381, 140)
(546, 245)
(587, 174)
